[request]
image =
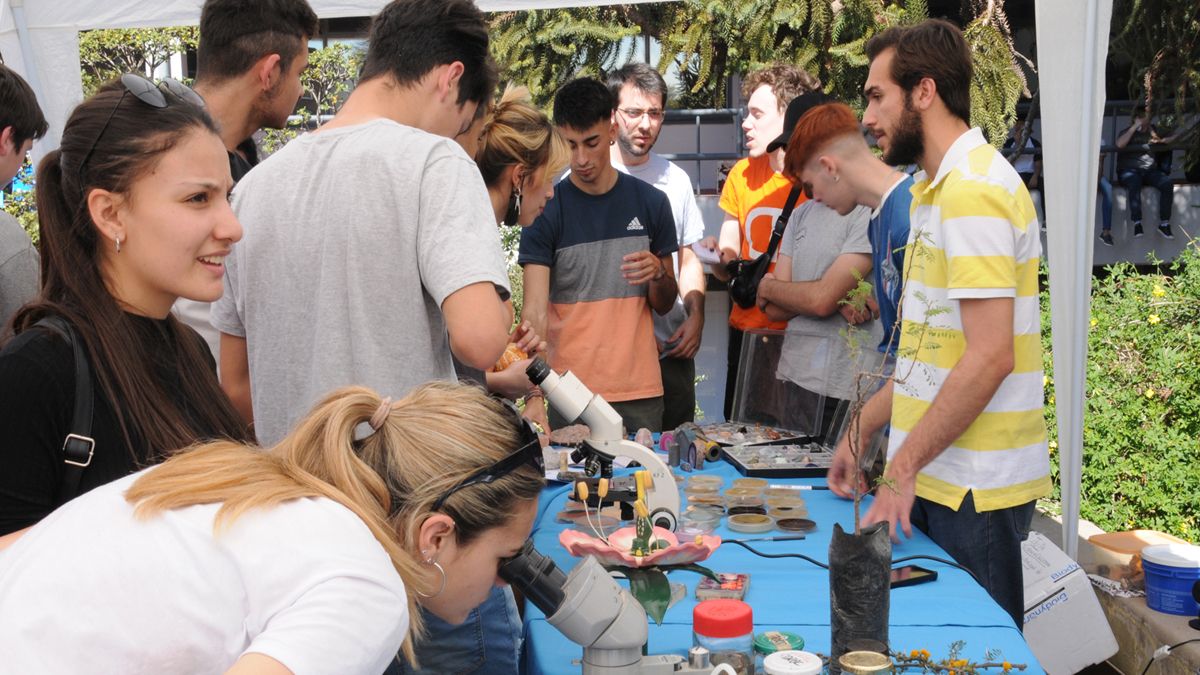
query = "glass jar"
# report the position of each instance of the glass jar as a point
(726, 629)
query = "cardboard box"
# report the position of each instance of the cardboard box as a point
(1064, 625)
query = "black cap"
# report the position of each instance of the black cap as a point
(795, 110)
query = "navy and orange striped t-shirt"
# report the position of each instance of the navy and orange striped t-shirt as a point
(599, 325)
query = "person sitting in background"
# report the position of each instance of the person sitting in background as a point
(21, 123)
(309, 557)
(1136, 169)
(134, 213)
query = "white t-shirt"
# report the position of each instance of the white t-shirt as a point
(689, 224)
(92, 590)
(354, 237)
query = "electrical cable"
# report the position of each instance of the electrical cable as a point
(776, 555)
(825, 567)
(1163, 651)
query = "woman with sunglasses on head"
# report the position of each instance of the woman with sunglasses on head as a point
(134, 213)
(309, 557)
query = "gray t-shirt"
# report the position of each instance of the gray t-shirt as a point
(19, 271)
(689, 225)
(353, 239)
(816, 353)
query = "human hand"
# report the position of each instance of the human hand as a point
(687, 338)
(844, 471)
(512, 382)
(641, 267)
(893, 502)
(710, 242)
(856, 315)
(527, 339)
(760, 299)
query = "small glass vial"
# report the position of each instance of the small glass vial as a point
(726, 629)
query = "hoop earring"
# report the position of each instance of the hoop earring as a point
(431, 561)
(118, 244)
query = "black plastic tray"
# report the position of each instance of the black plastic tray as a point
(819, 467)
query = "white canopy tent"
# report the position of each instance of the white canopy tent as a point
(39, 39)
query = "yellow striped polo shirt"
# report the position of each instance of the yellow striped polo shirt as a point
(974, 234)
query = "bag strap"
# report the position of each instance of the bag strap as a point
(78, 446)
(781, 222)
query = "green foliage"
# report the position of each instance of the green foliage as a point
(996, 81)
(710, 40)
(329, 78)
(107, 53)
(1141, 438)
(21, 204)
(330, 75)
(510, 240)
(544, 49)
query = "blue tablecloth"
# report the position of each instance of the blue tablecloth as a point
(792, 594)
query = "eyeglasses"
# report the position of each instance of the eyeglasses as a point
(634, 114)
(529, 453)
(147, 92)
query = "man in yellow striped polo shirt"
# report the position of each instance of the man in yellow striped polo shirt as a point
(967, 456)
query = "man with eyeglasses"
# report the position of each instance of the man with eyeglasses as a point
(641, 95)
(248, 69)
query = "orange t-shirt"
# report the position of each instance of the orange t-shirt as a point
(755, 194)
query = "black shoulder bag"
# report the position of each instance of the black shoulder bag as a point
(78, 445)
(744, 275)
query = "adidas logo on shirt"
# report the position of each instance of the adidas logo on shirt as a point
(634, 224)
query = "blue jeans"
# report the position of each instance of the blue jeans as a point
(988, 544)
(1135, 179)
(1106, 203)
(488, 642)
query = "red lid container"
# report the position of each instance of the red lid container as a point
(722, 618)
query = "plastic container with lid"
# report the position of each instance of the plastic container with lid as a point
(726, 629)
(1117, 555)
(792, 662)
(1171, 571)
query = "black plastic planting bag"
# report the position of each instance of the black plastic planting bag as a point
(859, 588)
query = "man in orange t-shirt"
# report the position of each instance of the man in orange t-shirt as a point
(754, 194)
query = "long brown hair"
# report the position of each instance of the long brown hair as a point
(74, 287)
(430, 441)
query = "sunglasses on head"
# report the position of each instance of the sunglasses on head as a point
(154, 95)
(528, 453)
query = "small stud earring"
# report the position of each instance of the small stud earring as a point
(118, 244)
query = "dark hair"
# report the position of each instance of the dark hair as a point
(409, 38)
(135, 136)
(785, 80)
(934, 48)
(234, 34)
(582, 103)
(19, 108)
(640, 75)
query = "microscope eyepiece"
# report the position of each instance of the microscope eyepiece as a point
(536, 576)
(538, 370)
